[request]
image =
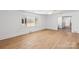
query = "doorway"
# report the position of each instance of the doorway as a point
(64, 23)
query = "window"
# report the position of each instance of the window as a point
(31, 22)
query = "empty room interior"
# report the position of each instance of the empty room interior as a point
(39, 29)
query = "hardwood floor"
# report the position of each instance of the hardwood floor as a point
(45, 39)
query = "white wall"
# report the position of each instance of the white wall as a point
(60, 22)
(10, 23)
(74, 20)
(52, 21)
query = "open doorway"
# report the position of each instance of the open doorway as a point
(64, 23)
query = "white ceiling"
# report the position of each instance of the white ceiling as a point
(43, 11)
(49, 11)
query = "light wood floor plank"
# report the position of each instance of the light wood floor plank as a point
(45, 39)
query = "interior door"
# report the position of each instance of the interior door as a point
(66, 22)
